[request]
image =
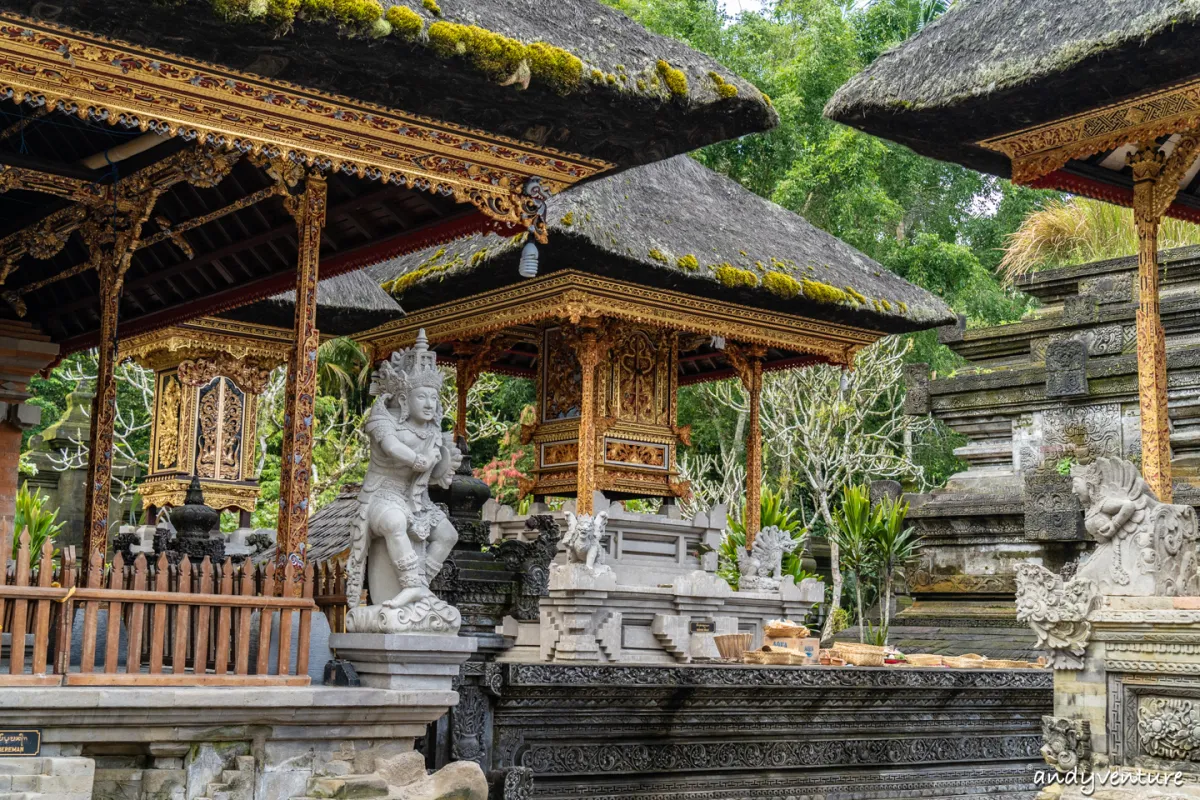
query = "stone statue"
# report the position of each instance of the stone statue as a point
(1145, 548)
(401, 537)
(1057, 612)
(762, 567)
(583, 539)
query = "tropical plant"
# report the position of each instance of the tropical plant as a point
(894, 546)
(1080, 230)
(41, 523)
(855, 525)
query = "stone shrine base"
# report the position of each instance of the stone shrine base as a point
(261, 743)
(717, 732)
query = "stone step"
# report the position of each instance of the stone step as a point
(348, 786)
(21, 766)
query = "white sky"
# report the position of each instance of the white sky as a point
(735, 7)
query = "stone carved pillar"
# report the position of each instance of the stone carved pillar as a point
(748, 362)
(295, 477)
(1155, 184)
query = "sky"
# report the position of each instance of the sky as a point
(735, 7)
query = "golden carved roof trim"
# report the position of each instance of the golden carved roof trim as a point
(1042, 149)
(207, 337)
(100, 78)
(572, 296)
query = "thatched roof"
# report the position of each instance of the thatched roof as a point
(614, 103)
(678, 225)
(329, 528)
(988, 67)
(347, 304)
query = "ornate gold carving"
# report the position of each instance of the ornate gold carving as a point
(1040, 150)
(295, 475)
(635, 453)
(635, 391)
(571, 296)
(559, 454)
(209, 338)
(162, 492)
(166, 424)
(473, 358)
(219, 434)
(250, 374)
(105, 79)
(1155, 183)
(747, 361)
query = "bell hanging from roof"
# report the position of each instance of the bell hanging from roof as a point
(528, 268)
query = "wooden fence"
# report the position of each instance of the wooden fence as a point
(330, 594)
(160, 624)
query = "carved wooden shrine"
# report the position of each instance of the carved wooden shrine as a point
(159, 186)
(208, 375)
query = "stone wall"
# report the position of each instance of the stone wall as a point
(1039, 396)
(735, 733)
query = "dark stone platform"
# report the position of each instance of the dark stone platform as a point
(729, 732)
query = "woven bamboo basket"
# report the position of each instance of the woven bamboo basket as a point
(784, 629)
(860, 655)
(923, 660)
(969, 661)
(733, 645)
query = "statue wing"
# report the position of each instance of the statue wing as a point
(356, 565)
(1120, 479)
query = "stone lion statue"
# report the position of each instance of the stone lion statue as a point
(400, 537)
(583, 539)
(1144, 547)
(762, 567)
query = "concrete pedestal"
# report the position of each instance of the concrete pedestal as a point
(404, 661)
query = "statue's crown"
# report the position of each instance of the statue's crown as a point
(408, 369)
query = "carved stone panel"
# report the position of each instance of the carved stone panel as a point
(1052, 511)
(1066, 369)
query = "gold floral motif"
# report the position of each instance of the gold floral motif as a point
(209, 338)
(563, 382)
(554, 455)
(248, 373)
(162, 492)
(1042, 149)
(570, 296)
(166, 423)
(635, 389)
(635, 453)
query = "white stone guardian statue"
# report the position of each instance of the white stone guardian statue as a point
(401, 537)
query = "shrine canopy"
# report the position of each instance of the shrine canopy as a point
(174, 133)
(1054, 93)
(672, 244)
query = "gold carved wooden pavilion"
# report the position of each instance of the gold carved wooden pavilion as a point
(1105, 106)
(159, 187)
(623, 312)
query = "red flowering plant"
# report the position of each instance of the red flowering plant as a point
(512, 464)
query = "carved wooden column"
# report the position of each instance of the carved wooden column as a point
(748, 362)
(1155, 184)
(295, 474)
(589, 346)
(111, 237)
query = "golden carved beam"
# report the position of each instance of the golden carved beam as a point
(1042, 149)
(201, 166)
(102, 79)
(295, 474)
(472, 360)
(748, 363)
(590, 342)
(571, 296)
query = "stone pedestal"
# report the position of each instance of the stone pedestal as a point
(404, 662)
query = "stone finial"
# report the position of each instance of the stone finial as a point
(1057, 612)
(761, 568)
(916, 382)
(1052, 511)
(948, 334)
(1066, 743)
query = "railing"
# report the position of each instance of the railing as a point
(330, 594)
(157, 624)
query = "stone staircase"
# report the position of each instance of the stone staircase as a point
(346, 786)
(234, 784)
(43, 778)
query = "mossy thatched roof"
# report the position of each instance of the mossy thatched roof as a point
(988, 67)
(347, 304)
(678, 225)
(596, 86)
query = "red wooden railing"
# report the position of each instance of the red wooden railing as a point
(184, 624)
